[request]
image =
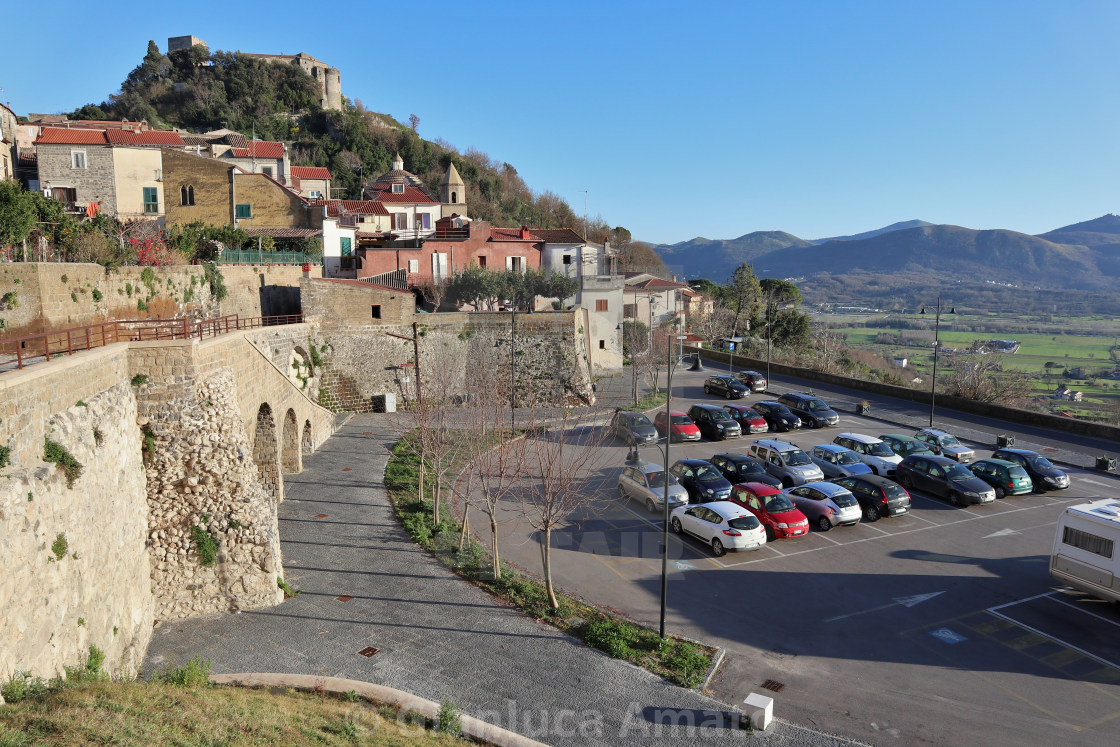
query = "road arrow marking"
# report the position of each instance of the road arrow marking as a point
(1002, 533)
(898, 602)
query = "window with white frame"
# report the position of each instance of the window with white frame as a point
(414, 265)
(423, 220)
(78, 159)
(515, 264)
(1088, 542)
(400, 221)
(151, 200)
(398, 188)
(316, 194)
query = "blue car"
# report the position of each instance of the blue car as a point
(703, 481)
(837, 461)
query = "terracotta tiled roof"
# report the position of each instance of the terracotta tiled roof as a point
(235, 140)
(311, 172)
(148, 137)
(510, 234)
(558, 235)
(196, 140)
(410, 196)
(55, 135)
(260, 149)
(285, 233)
(335, 208)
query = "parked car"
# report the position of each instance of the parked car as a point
(1006, 478)
(943, 477)
(826, 504)
(678, 426)
(749, 420)
(632, 428)
(756, 381)
(645, 483)
(720, 524)
(837, 461)
(1041, 470)
(726, 386)
(702, 480)
(945, 444)
(812, 410)
(714, 422)
(742, 468)
(777, 416)
(773, 508)
(872, 452)
(786, 462)
(904, 446)
(877, 495)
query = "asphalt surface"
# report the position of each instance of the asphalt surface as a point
(939, 627)
(366, 585)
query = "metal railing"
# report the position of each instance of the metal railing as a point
(393, 279)
(28, 349)
(238, 257)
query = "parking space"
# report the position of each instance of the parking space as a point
(958, 603)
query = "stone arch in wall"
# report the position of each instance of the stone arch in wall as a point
(291, 460)
(265, 453)
(307, 443)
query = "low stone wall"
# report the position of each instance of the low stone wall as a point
(74, 569)
(1000, 412)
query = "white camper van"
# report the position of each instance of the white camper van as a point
(1085, 548)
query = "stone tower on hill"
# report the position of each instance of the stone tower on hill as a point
(453, 192)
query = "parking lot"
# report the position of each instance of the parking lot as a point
(940, 626)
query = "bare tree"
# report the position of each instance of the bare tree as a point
(413, 122)
(829, 350)
(714, 325)
(435, 290)
(982, 378)
(654, 357)
(560, 467)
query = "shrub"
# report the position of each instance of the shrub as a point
(74, 297)
(448, 720)
(141, 305)
(58, 454)
(215, 280)
(139, 379)
(60, 546)
(22, 686)
(195, 674)
(64, 278)
(96, 295)
(289, 592)
(616, 638)
(206, 544)
(5, 456)
(316, 359)
(9, 300)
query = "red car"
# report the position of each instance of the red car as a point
(772, 507)
(682, 427)
(748, 418)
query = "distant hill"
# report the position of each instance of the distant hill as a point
(1103, 232)
(716, 259)
(877, 232)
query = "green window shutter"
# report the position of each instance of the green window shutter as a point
(151, 200)
(244, 211)
(345, 244)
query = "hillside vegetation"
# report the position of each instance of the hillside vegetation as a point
(201, 91)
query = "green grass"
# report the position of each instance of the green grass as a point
(676, 660)
(647, 402)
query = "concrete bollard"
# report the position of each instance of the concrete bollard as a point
(759, 710)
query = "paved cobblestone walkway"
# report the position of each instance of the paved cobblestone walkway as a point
(438, 636)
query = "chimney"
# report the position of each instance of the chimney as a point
(524, 232)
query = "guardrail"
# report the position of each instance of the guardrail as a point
(236, 257)
(28, 349)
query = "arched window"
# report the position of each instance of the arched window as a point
(454, 198)
(187, 195)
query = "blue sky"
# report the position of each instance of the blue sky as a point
(690, 119)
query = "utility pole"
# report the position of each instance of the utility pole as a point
(665, 525)
(415, 340)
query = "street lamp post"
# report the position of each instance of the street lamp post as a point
(665, 525)
(936, 349)
(512, 385)
(768, 331)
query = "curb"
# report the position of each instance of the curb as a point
(480, 731)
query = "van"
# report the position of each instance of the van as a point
(1084, 554)
(786, 462)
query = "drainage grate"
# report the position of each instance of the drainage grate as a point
(344, 598)
(320, 516)
(368, 651)
(774, 685)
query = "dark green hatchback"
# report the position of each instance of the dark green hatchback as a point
(1006, 477)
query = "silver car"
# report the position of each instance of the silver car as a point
(872, 452)
(786, 462)
(645, 483)
(837, 461)
(722, 525)
(826, 504)
(945, 444)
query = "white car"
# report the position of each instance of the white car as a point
(826, 504)
(872, 451)
(721, 524)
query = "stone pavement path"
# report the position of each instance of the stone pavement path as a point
(438, 636)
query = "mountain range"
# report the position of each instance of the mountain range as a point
(1083, 256)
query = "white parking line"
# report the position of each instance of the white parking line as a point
(1087, 612)
(892, 534)
(1110, 486)
(1081, 651)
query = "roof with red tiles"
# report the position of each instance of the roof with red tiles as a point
(410, 196)
(558, 235)
(335, 208)
(260, 149)
(311, 172)
(59, 136)
(655, 284)
(510, 234)
(147, 137)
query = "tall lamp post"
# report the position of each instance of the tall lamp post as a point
(665, 525)
(768, 331)
(936, 348)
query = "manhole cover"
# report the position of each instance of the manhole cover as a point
(368, 651)
(774, 685)
(320, 516)
(344, 598)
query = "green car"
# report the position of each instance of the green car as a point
(1006, 477)
(905, 446)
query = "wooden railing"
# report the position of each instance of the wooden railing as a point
(28, 349)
